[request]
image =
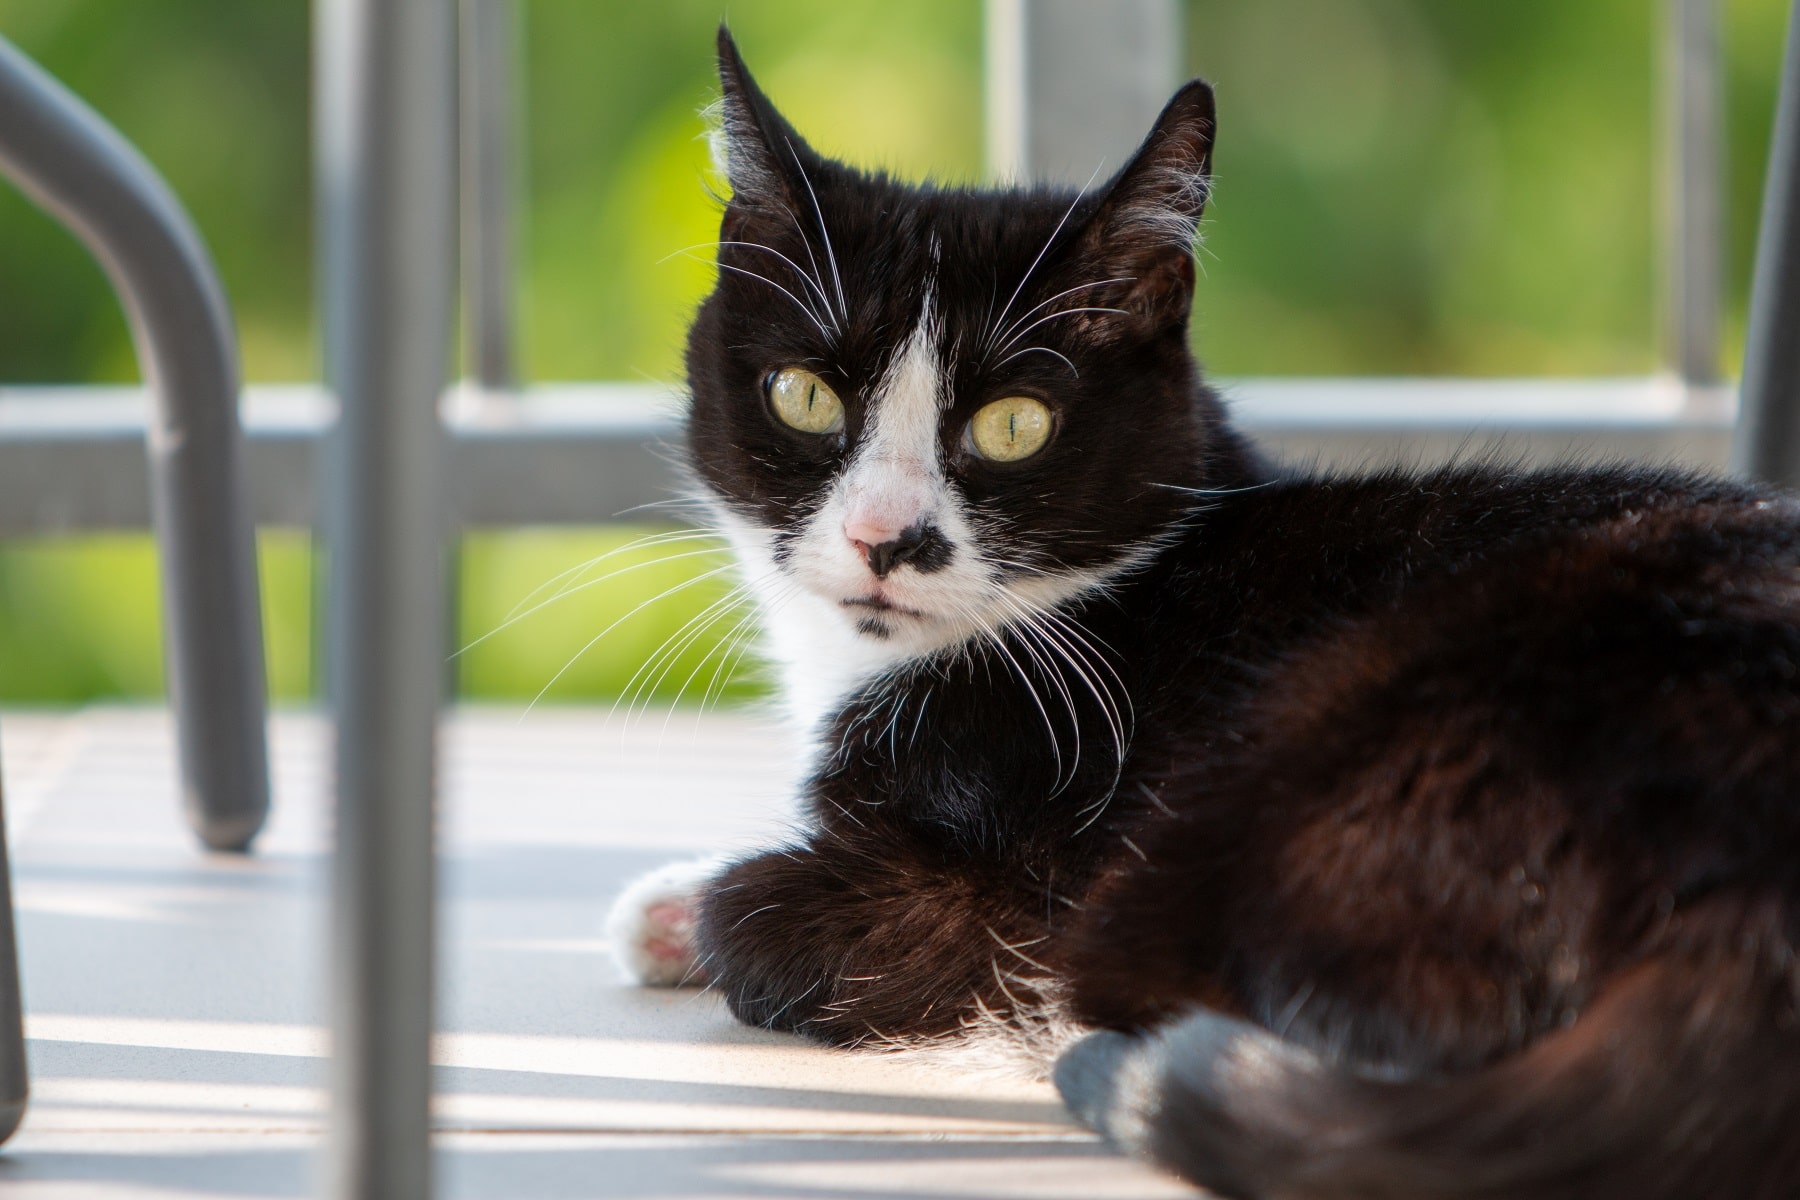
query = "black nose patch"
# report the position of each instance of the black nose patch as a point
(921, 545)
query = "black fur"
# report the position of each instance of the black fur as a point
(1420, 835)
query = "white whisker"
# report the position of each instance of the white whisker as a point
(805, 278)
(1040, 306)
(583, 586)
(1038, 350)
(1061, 312)
(640, 685)
(649, 539)
(730, 605)
(1048, 242)
(798, 303)
(837, 280)
(591, 642)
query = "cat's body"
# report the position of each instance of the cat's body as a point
(1415, 834)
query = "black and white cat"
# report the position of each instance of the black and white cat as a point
(1404, 835)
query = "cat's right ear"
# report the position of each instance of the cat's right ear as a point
(1144, 229)
(753, 146)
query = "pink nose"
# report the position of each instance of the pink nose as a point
(893, 547)
(865, 533)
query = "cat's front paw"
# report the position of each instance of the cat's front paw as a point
(650, 927)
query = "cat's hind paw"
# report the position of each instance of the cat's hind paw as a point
(650, 927)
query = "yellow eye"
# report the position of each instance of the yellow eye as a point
(803, 401)
(1010, 429)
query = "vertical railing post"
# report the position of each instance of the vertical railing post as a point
(1072, 85)
(488, 171)
(1767, 445)
(15, 1080)
(1693, 191)
(386, 173)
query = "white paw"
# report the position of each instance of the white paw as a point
(651, 925)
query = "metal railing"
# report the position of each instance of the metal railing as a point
(578, 454)
(1768, 430)
(72, 458)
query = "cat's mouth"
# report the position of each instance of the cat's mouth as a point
(880, 604)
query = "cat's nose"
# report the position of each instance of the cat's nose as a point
(885, 549)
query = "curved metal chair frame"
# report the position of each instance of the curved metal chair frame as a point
(80, 170)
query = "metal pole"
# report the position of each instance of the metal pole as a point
(15, 1080)
(79, 169)
(386, 93)
(1767, 445)
(1693, 120)
(1072, 86)
(488, 170)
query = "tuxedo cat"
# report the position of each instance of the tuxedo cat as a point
(1397, 835)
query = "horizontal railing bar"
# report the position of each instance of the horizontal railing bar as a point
(72, 458)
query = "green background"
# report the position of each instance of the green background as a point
(1404, 187)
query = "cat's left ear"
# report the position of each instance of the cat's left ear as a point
(761, 155)
(1144, 228)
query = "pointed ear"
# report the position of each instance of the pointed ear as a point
(1144, 228)
(753, 145)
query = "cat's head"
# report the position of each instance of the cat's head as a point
(924, 411)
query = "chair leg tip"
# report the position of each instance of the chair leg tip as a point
(11, 1114)
(229, 833)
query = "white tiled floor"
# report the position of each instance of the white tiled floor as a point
(174, 999)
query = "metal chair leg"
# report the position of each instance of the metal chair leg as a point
(78, 168)
(14, 1079)
(1768, 431)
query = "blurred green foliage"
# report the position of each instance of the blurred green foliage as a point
(81, 618)
(1419, 187)
(1404, 186)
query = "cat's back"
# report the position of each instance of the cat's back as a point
(1604, 592)
(1264, 572)
(1604, 633)
(1505, 713)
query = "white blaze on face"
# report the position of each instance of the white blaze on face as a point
(828, 621)
(823, 630)
(891, 483)
(895, 480)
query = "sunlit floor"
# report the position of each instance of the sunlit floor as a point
(174, 999)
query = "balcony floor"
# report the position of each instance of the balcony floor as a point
(174, 999)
